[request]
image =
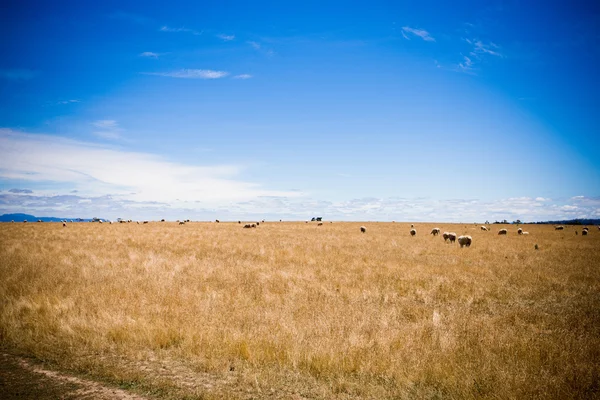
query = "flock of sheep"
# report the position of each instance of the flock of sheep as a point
(464, 241)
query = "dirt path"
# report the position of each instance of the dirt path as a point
(20, 378)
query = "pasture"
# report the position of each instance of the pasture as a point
(296, 310)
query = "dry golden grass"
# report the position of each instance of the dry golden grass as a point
(292, 310)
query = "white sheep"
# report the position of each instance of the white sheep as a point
(319, 224)
(559, 228)
(584, 233)
(363, 229)
(446, 235)
(465, 241)
(435, 231)
(502, 232)
(519, 231)
(413, 232)
(525, 233)
(483, 228)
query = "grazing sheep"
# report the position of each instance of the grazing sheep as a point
(319, 224)
(247, 226)
(584, 233)
(413, 232)
(412, 226)
(263, 221)
(483, 228)
(536, 247)
(445, 235)
(502, 232)
(435, 231)
(64, 224)
(12, 221)
(239, 222)
(181, 222)
(145, 222)
(519, 231)
(363, 229)
(525, 233)
(559, 228)
(258, 223)
(110, 222)
(162, 220)
(465, 241)
(586, 229)
(137, 222)
(217, 221)
(39, 220)
(452, 237)
(24, 221)
(253, 225)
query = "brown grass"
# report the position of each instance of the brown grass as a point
(292, 310)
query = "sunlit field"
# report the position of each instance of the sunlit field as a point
(296, 310)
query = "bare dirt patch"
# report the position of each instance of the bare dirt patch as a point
(21, 378)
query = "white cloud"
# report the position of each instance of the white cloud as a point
(192, 74)
(480, 48)
(422, 33)
(242, 76)
(226, 38)
(109, 129)
(255, 45)
(182, 29)
(68, 101)
(149, 54)
(466, 65)
(105, 124)
(97, 170)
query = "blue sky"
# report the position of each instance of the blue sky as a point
(366, 111)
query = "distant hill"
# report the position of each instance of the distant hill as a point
(582, 221)
(32, 218)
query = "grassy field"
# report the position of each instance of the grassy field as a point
(295, 310)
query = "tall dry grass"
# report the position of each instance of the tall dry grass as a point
(292, 310)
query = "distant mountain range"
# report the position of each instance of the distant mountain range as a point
(32, 218)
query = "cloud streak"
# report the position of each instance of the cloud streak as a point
(182, 29)
(421, 33)
(109, 129)
(191, 74)
(242, 76)
(226, 38)
(149, 54)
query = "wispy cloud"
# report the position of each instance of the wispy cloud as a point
(255, 45)
(68, 101)
(182, 29)
(226, 38)
(466, 66)
(192, 74)
(149, 54)
(242, 76)
(480, 48)
(109, 129)
(422, 33)
(18, 74)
